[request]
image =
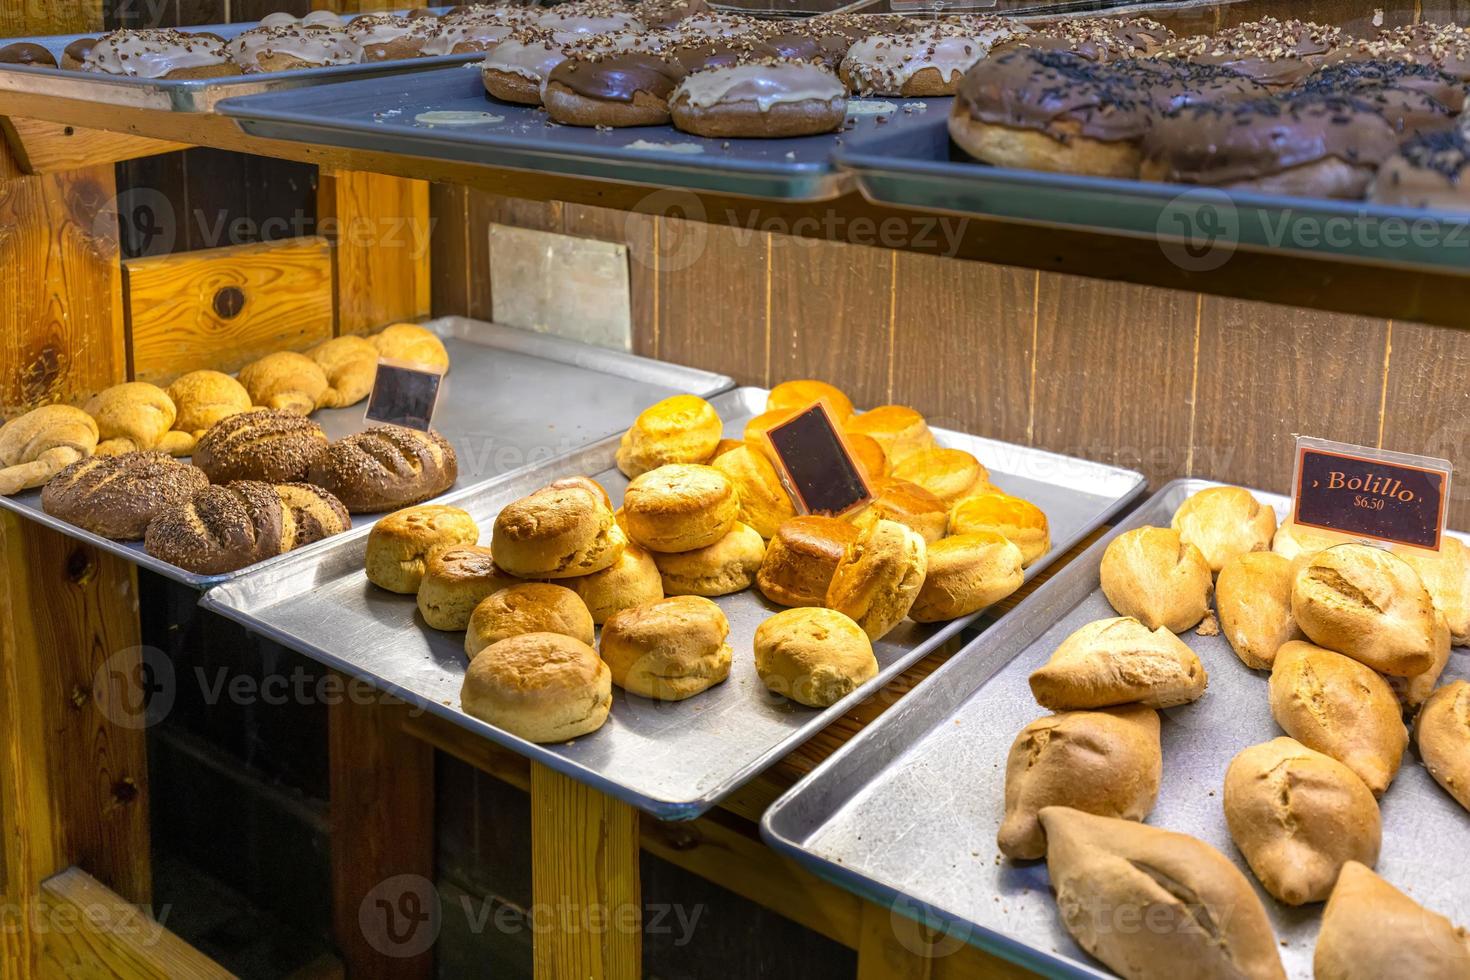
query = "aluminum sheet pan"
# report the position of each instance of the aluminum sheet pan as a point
(1197, 227)
(381, 114)
(673, 760)
(907, 812)
(194, 94)
(512, 399)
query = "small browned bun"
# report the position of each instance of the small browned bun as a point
(770, 98)
(27, 53)
(630, 88)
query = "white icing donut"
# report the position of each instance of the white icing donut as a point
(153, 53)
(882, 63)
(313, 46)
(764, 85)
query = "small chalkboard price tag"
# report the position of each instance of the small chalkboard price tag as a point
(1394, 498)
(816, 466)
(404, 394)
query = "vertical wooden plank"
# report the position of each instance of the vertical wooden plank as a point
(1427, 403)
(881, 954)
(963, 344)
(832, 315)
(50, 17)
(1268, 372)
(712, 297)
(635, 231)
(1114, 373)
(380, 226)
(382, 833)
(449, 264)
(584, 868)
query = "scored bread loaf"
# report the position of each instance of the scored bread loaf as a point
(1367, 604)
(268, 446)
(117, 496)
(220, 528)
(313, 514)
(385, 468)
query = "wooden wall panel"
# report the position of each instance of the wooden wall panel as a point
(55, 16)
(963, 344)
(381, 229)
(713, 299)
(450, 278)
(1114, 373)
(1266, 372)
(1427, 403)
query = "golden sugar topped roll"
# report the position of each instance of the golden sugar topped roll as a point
(790, 395)
(868, 454)
(964, 574)
(680, 507)
(756, 428)
(764, 503)
(949, 474)
(801, 559)
(1020, 521)
(557, 532)
(543, 687)
(527, 607)
(668, 650)
(399, 545)
(681, 429)
(879, 577)
(908, 504)
(630, 581)
(725, 567)
(900, 430)
(813, 656)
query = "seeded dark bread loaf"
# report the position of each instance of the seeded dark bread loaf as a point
(268, 446)
(221, 528)
(385, 468)
(314, 514)
(116, 496)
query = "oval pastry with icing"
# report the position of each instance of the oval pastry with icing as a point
(769, 98)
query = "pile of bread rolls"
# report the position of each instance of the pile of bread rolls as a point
(1355, 639)
(705, 517)
(263, 478)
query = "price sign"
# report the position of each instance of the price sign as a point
(1371, 493)
(816, 465)
(404, 394)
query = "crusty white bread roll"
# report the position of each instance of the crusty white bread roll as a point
(1253, 596)
(1119, 661)
(1446, 574)
(1158, 578)
(543, 687)
(1371, 930)
(1369, 605)
(1442, 733)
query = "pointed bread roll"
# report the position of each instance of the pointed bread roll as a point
(1253, 595)
(1192, 913)
(1371, 930)
(1223, 522)
(1153, 575)
(1446, 574)
(1367, 604)
(1414, 691)
(1339, 707)
(1442, 733)
(1118, 661)
(1106, 762)
(1298, 816)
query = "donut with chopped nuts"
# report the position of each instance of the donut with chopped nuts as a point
(1096, 38)
(589, 17)
(928, 63)
(1273, 52)
(481, 30)
(809, 40)
(769, 97)
(263, 49)
(1171, 83)
(705, 53)
(1366, 77)
(159, 53)
(619, 88)
(1442, 46)
(389, 37)
(659, 15)
(515, 69)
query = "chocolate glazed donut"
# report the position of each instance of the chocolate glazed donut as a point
(1430, 171)
(629, 88)
(76, 53)
(27, 53)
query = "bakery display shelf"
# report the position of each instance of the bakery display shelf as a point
(906, 813)
(388, 115)
(674, 760)
(190, 94)
(493, 408)
(919, 168)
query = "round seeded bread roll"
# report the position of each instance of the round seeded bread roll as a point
(964, 574)
(399, 545)
(1442, 732)
(455, 581)
(529, 607)
(1253, 596)
(1022, 522)
(681, 429)
(764, 503)
(800, 559)
(1446, 574)
(905, 503)
(630, 581)
(557, 532)
(900, 430)
(1341, 708)
(273, 447)
(542, 687)
(949, 474)
(1223, 522)
(727, 566)
(1371, 930)
(1368, 604)
(680, 507)
(793, 395)
(1106, 762)
(1119, 661)
(668, 650)
(813, 656)
(1153, 575)
(1298, 816)
(879, 577)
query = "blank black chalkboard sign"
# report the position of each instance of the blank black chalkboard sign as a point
(404, 395)
(816, 466)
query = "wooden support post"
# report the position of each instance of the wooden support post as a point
(587, 909)
(380, 226)
(384, 905)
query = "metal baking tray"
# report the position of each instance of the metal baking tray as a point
(1198, 227)
(382, 114)
(906, 813)
(511, 399)
(193, 94)
(673, 760)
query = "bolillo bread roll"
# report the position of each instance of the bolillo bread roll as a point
(1293, 541)
(1161, 580)
(1119, 661)
(1253, 596)
(1298, 816)
(1413, 691)
(1442, 732)
(1367, 604)
(1202, 917)
(1223, 522)
(1371, 930)
(1446, 574)
(1341, 708)
(1106, 762)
